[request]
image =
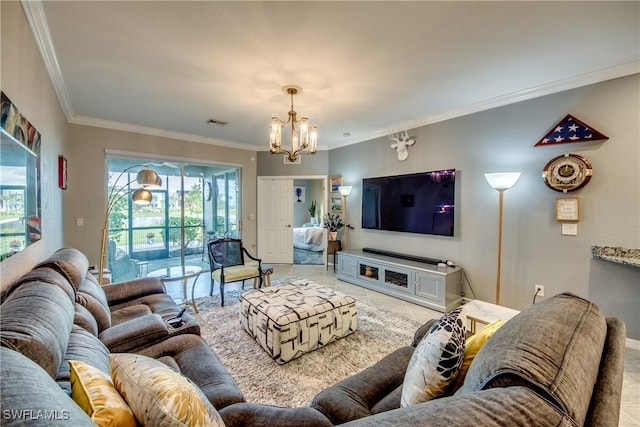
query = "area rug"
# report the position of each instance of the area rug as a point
(302, 256)
(294, 384)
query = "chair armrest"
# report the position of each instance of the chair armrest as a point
(135, 333)
(604, 409)
(246, 252)
(257, 415)
(353, 397)
(120, 292)
(422, 331)
(510, 406)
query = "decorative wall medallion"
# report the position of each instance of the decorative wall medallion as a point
(567, 172)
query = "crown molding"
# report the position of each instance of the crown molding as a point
(586, 79)
(38, 23)
(128, 127)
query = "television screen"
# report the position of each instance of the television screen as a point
(414, 203)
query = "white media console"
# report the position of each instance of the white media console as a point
(406, 277)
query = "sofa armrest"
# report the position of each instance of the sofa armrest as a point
(135, 333)
(353, 397)
(422, 331)
(120, 292)
(511, 406)
(257, 415)
(604, 409)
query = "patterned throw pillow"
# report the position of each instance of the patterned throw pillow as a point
(436, 360)
(94, 392)
(471, 348)
(159, 396)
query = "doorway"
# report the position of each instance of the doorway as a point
(287, 232)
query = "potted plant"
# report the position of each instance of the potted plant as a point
(150, 237)
(332, 222)
(312, 211)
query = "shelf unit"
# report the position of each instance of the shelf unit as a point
(421, 283)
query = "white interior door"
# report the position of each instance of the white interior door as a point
(275, 219)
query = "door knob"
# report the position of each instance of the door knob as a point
(288, 225)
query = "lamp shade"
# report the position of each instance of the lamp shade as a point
(142, 196)
(503, 180)
(148, 178)
(344, 190)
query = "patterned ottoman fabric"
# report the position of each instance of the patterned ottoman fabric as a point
(293, 319)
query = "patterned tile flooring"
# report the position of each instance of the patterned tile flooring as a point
(630, 408)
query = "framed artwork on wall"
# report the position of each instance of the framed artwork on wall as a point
(335, 182)
(298, 194)
(336, 204)
(62, 172)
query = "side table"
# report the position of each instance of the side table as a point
(485, 312)
(333, 247)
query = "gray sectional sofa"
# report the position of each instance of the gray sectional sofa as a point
(559, 362)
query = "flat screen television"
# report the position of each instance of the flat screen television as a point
(415, 203)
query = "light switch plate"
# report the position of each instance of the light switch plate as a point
(79, 222)
(569, 229)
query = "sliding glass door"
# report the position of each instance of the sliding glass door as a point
(195, 203)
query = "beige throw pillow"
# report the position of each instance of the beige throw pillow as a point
(158, 396)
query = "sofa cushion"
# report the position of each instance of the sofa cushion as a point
(436, 360)
(36, 321)
(50, 276)
(128, 313)
(94, 392)
(159, 396)
(85, 347)
(69, 262)
(83, 318)
(29, 395)
(553, 347)
(92, 297)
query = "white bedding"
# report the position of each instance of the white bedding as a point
(309, 238)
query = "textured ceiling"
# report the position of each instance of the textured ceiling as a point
(366, 68)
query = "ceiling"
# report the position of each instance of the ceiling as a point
(366, 68)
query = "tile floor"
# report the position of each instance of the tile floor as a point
(630, 407)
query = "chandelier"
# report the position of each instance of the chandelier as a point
(304, 137)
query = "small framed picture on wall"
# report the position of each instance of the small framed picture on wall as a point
(335, 183)
(336, 204)
(62, 172)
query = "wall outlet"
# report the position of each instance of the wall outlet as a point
(538, 290)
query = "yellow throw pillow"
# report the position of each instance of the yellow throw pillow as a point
(94, 392)
(471, 348)
(159, 396)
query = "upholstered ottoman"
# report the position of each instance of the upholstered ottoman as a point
(292, 319)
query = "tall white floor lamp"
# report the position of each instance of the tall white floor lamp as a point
(501, 182)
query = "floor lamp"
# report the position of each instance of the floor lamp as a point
(345, 190)
(501, 182)
(146, 178)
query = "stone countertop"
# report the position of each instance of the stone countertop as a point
(617, 254)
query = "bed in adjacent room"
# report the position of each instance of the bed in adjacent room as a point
(309, 238)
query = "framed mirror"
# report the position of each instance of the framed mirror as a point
(20, 223)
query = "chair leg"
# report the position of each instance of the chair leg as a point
(221, 294)
(211, 289)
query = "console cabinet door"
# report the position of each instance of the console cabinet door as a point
(346, 265)
(430, 286)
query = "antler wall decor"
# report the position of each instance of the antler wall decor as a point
(402, 142)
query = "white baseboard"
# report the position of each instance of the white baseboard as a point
(633, 344)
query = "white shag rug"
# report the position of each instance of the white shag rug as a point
(295, 383)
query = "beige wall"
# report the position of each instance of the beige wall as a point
(25, 81)
(87, 173)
